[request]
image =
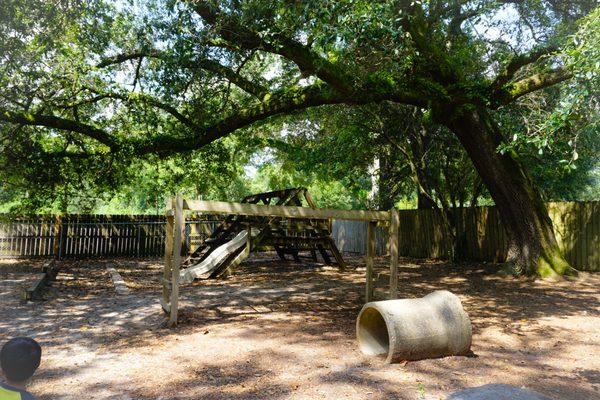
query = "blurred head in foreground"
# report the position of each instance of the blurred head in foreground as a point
(20, 357)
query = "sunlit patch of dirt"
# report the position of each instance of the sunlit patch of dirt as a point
(285, 330)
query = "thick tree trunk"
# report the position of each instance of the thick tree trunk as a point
(532, 246)
(424, 201)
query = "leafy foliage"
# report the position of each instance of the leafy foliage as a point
(133, 99)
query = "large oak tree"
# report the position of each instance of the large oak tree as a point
(94, 82)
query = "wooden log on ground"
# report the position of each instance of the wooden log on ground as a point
(118, 282)
(34, 292)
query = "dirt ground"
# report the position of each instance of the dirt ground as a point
(287, 331)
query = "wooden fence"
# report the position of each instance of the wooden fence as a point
(421, 234)
(78, 236)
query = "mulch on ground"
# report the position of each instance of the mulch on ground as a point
(283, 330)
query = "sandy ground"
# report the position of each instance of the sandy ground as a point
(286, 331)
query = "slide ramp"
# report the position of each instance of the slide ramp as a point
(216, 258)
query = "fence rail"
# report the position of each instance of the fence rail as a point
(421, 235)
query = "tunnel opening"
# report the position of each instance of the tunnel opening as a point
(372, 333)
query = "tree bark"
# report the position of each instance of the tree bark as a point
(385, 196)
(419, 143)
(532, 246)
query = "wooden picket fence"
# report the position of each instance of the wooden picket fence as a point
(421, 234)
(80, 236)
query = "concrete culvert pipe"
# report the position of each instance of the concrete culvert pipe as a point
(413, 329)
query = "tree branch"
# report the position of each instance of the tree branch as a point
(454, 27)
(232, 76)
(145, 99)
(288, 101)
(308, 62)
(518, 62)
(51, 121)
(513, 91)
(121, 58)
(215, 67)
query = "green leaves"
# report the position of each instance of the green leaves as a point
(209, 81)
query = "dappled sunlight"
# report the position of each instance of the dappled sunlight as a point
(282, 330)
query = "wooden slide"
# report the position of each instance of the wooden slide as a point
(233, 249)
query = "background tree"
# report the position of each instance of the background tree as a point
(103, 84)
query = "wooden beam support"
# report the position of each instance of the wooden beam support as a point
(34, 291)
(371, 226)
(248, 248)
(336, 254)
(167, 269)
(179, 226)
(222, 207)
(394, 225)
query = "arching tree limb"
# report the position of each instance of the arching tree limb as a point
(518, 62)
(206, 64)
(513, 91)
(51, 121)
(285, 101)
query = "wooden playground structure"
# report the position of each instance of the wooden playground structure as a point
(286, 236)
(276, 219)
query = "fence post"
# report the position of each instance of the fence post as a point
(179, 226)
(371, 226)
(62, 232)
(139, 239)
(167, 269)
(394, 225)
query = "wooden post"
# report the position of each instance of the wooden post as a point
(248, 248)
(167, 271)
(179, 226)
(371, 225)
(64, 237)
(57, 236)
(394, 225)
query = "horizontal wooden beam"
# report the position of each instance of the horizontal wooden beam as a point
(222, 207)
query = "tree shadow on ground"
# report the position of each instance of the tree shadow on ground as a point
(291, 307)
(262, 288)
(490, 298)
(244, 380)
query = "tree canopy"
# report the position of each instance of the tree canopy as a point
(92, 92)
